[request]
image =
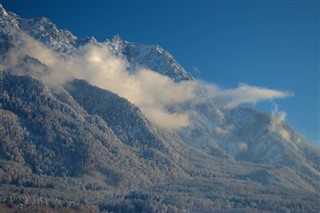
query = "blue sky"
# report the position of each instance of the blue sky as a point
(264, 43)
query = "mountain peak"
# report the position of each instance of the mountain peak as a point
(116, 38)
(116, 44)
(3, 12)
(117, 41)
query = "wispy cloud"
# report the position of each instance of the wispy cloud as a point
(248, 94)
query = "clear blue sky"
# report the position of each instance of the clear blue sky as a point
(264, 43)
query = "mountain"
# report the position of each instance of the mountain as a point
(41, 29)
(76, 147)
(250, 135)
(150, 56)
(65, 43)
(52, 144)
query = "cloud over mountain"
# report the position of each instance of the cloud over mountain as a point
(152, 92)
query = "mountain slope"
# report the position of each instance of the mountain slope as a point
(57, 137)
(125, 119)
(249, 135)
(50, 141)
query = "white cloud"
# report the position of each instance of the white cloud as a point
(148, 90)
(152, 92)
(248, 94)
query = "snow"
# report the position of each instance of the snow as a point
(148, 56)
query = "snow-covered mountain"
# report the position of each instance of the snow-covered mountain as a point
(65, 43)
(150, 56)
(77, 145)
(250, 135)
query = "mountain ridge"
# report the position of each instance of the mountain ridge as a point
(65, 43)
